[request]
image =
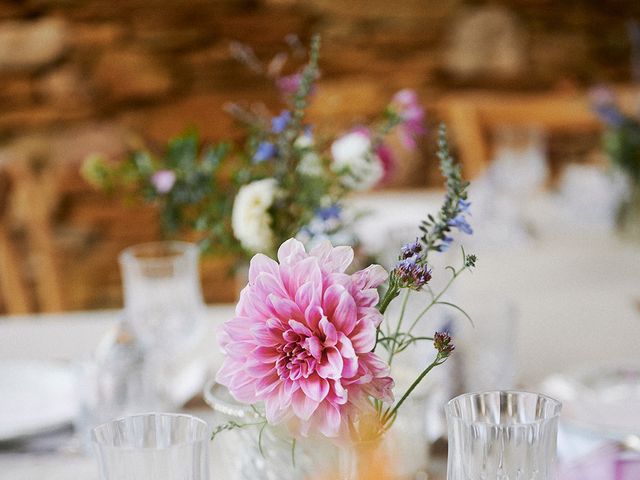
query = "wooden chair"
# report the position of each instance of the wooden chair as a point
(472, 116)
(14, 291)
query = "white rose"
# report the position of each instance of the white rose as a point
(250, 218)
(353, 158)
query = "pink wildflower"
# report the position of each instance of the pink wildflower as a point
(302, 337)
(163, 180)
(407, 106)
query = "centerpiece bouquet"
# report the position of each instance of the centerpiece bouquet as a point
(309, 348)
(287, 180)
(621, 142)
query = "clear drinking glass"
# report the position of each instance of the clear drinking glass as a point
(163, 299)
(502, 435)
(153, 446)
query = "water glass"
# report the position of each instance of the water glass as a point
(163, 298)
(502, 435)
(153, 446)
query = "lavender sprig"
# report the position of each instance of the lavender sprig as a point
(452, 214)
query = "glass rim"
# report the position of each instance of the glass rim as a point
(557, 405)
(183, 443)
(179, 247)
(231, 408)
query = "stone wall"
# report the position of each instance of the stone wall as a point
(78, 76)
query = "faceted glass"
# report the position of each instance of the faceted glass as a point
(502, 435)
(154, 446)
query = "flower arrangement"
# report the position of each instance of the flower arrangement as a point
(309, 346)
(621, 142)
(287, 180)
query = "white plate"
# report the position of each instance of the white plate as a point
(35, 397)
(604, 400)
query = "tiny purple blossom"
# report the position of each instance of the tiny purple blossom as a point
(461, 224)
(265, 151)
(412, 274)
(279, 123)
(442, 343)
(408, 250)
(163, 180)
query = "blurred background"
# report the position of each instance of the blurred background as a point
(78, 77)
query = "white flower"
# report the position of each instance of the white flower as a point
(250, 218)
(352, 157)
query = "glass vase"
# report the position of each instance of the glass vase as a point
(502, 435)
(256, 451)
(154, 446)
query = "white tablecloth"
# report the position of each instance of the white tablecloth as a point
(574, 295)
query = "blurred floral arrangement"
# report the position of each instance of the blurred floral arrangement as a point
(621, 142)
(286, 180)
(309, 345)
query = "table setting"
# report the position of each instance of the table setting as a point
(370, 327)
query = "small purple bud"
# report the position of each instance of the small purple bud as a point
(442, 343)
(410, 249)
(279, 123)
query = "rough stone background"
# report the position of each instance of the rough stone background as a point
(78, 76)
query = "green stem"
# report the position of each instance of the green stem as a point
(438, 361)
(391, 293)
(435, 299)
(399, 325)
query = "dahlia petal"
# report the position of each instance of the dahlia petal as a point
(274, 410)
(268, 284)
(350, 367)
(299, 328)
(345, 347)
(314, 387)
(239, 350)
(371, 277)
(375, 364)
(261, 263)
(307, 295)
(313, 314)
(284, 308)
(363, 336)
(242, 388)
(338, 395)
(227, 371)
(267, 384)
(331, 365)
(314, 347)
(291, 251)
(344, 317)
(329, 331)
(331, 298)
(303, 405)
(305, 271)
(265, 354)
(330, 419)
(265, 336)
(334, 259)
(236, 328)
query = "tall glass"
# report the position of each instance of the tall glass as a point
(502, 435)
(154, 446)
(163, 299)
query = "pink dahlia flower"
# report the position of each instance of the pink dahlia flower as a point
(302, 338)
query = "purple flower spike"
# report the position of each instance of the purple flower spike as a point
(265, 151)
(461, 224)
(279, 123)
